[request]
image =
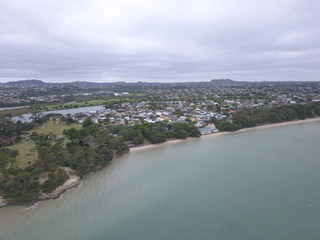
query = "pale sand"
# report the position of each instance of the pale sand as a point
(73, 181)
(3, 203)
(150, 146)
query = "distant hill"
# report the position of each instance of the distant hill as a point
(30, 82)
(36, 82)
(222, 80)
(132, 86)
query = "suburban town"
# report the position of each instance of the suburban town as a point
(133, 103)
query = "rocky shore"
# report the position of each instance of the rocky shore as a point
(3, 202)
(73, 181)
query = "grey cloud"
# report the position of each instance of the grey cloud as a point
(159, 40)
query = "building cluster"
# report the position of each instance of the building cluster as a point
(18, 96)
(196, 103)
(171, 111)
(239, 94)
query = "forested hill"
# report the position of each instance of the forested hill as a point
(31, 82)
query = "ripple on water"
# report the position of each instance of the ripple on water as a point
(255, 185)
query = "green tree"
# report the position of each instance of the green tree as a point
(87, 123)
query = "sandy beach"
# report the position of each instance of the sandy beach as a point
(150, 146)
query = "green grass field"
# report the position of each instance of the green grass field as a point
(55, 127)
(27, 157)
(76, 104)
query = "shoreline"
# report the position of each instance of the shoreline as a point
(74, 180)
(218, 134)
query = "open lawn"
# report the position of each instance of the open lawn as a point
(25, 157)
(55, 127)
(80, 103)
(75, 104)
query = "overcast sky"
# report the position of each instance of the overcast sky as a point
(159, 40)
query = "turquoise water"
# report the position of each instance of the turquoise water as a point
(261, 184)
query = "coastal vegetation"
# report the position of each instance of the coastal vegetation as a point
(86, 149)
(155, 132)
(35, 165)
(252, 117)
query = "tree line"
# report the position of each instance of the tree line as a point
(251, 117)
(154, 132)
(10, 131)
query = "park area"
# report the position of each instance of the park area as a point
(26, 148)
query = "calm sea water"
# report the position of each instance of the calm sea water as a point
(261, 184)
